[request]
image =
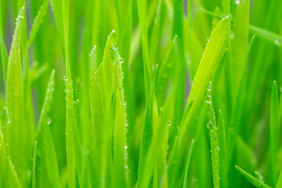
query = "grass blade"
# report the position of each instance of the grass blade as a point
(120, 126)
(223, 163)
(256, 182)
(39, 150)
(147, 135)
(8, 176)
(97, 118)
(159, 140)
(213, 138)
(266, 35)
(37, 22)
(188, 163)
(51, 159)
(279, 182)
(206, 70)
(70, 112)
(17, 133)
(274, 131)
(3, 50)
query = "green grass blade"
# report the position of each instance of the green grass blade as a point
(51, 159)
(16, 130)
(159, 140)
(3, 50)
(8, 176)
(178, 78)
(209, 61)
(279, 182)
(256, 182)
(274, 131)
(239, 43)
(108, 68)
(155, 33)
(223, 163)
(213, 138)
(266, 35)
(188, 163)
(120, 126)
(206, 70)
(147, 135)
(165, 72)
(70, 112)
(37, 22)
(38, 159)
(97, 118)
(142, 13)
(34, 165)
(108, 76)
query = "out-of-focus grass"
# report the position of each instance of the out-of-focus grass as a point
(103, 93)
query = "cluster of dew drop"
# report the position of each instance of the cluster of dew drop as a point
(213, 129)
(68, 87)
(211, 112)
(118, 61)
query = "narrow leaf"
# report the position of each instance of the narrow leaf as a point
(256, 182)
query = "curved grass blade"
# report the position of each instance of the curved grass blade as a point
(17, 133)
(37, 22)
(142, 13)
(209, 61)
(188, 163)
(34, 165)
(204, 74)
(223, 172)
(213, 138)
(156, 32)
(70, 112)
(39, 149)
(274, 131)
(108, 68)
(51, 159)
(108, 76)
(147, 134)
(279, 182)
(266, 35)
(165, 72)
(3, 50)
(8, 176)
(120, 126)
(97, 119)
(159, 140)
(256, 182)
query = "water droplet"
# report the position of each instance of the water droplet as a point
(29, 173)
(232, 35)
(169, 123)
(49, 121)
(210, 124)
(237, 2)
(65, 78)
(277, 42)
(208, 99)
(217, 149)
(125, 147)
